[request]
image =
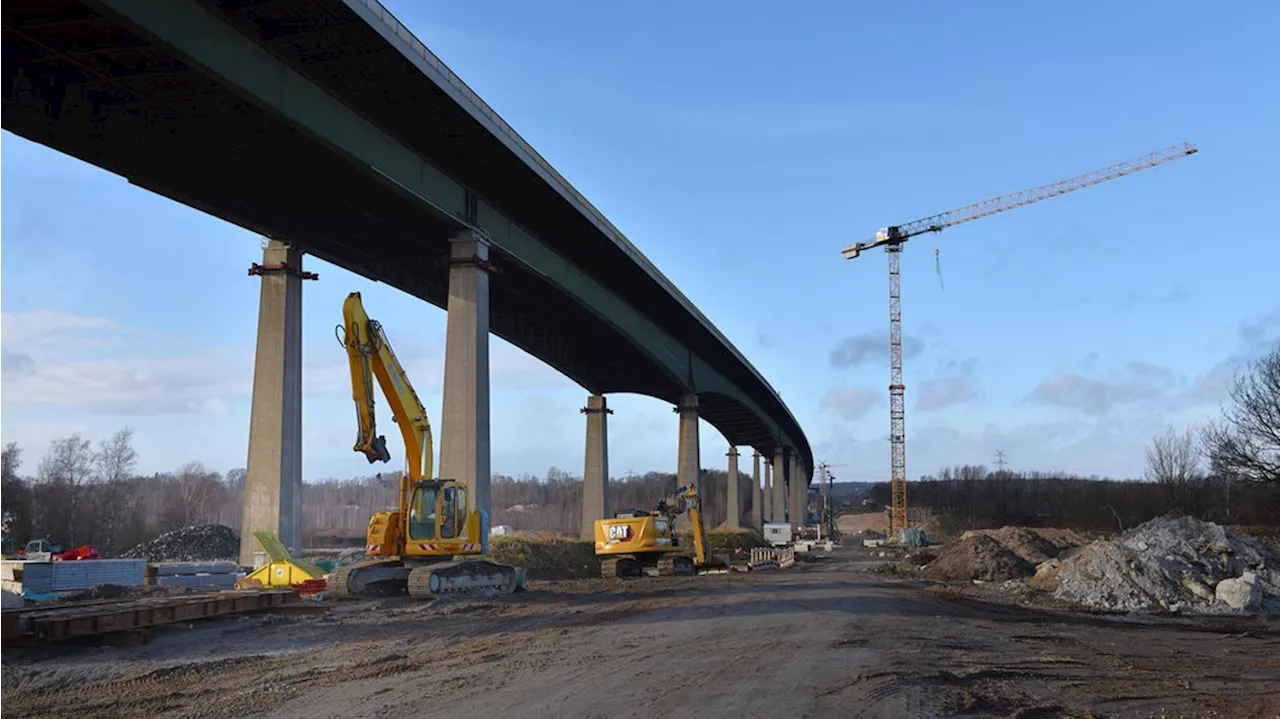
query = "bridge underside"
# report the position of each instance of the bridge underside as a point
(84, 80)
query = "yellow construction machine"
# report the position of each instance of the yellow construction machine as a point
(421, 547)
(635, 542)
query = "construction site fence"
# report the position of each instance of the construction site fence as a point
(766, 557)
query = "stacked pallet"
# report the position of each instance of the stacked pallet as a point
(198, 575)
(48, 577)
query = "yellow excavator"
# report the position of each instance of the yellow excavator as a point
(421, 548)
(635, 542)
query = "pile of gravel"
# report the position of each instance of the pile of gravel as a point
(198, 543)
(1175, 565)
(977, 556)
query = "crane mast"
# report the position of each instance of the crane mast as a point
(893, 237)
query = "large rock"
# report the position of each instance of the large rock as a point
(1046, 578)
(1240, 593)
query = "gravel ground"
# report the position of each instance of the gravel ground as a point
(821, 639)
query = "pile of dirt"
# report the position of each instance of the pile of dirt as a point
(1025, 543)
(977, 556)
(116, 591)
(1063, 538)
(198, 543)
(1175, 565)
(850, 524)
(731, 540)
(932, 528)
(547, 556)
(919, 559)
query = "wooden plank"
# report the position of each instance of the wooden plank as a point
(132, 615)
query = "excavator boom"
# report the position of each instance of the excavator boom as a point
(370, 355)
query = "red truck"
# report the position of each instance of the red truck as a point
(45, 550)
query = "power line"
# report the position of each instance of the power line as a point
(1000, 459)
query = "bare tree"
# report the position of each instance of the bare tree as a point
(1173, 459)
(116, 458)
(1245, 444)
(197, 486)
(65, 469)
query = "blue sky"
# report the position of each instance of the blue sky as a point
(740, 146)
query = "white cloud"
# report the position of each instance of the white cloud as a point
(851, 403)
(959, 386)
(1099, 395)
(857, 350)
(94, 364)
(510, 368)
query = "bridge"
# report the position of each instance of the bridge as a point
(326, 127)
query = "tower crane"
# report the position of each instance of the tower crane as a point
(892, 238)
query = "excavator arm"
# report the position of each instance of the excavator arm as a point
(370, 355)
(685, 499)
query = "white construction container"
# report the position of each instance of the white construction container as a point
(777, 534)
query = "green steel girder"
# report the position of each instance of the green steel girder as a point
(208, 41)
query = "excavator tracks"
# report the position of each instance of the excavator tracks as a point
(677, 566)
(629, 567)
(460, 578)
(621, 568)
(375, 578)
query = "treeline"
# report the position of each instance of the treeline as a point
(333, 509)
(86, 495)
(971, 497)
(82, 494)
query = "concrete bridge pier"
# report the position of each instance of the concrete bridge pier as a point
(273, 471)
(464, 417)
(779, 485)
(799, 494)
(733, 518)
(595, 474)
(688, 464)
(766, 505)
(757, 496)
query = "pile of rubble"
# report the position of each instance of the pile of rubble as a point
(1171, 565)
(1000, 555)
(198, 543)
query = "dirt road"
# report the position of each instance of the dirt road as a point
(818, 640)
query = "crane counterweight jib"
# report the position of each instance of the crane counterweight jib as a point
(936, 223)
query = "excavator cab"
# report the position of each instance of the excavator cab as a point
(438, 512)
(439, 523)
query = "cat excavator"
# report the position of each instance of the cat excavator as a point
(422, 548)
(635, 542)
